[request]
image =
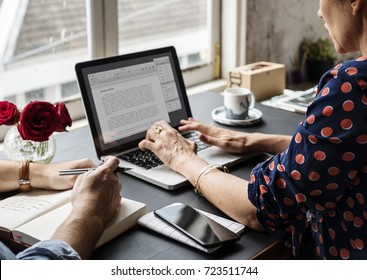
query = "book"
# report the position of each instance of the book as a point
(293, 101)
(27, 218)
(153, 223)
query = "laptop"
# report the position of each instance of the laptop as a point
(124, 95)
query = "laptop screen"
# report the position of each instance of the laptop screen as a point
(124, 95)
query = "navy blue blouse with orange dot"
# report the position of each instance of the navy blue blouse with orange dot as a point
(320, 180)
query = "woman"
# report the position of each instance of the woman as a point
(317, 178)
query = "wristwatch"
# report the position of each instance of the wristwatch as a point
(24, 183)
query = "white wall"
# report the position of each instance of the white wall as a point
(276, 27)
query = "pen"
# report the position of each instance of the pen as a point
(83, 170)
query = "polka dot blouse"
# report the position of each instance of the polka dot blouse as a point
(320, 181)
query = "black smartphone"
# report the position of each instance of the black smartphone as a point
(197, 226)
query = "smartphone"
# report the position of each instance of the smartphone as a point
(197, 226)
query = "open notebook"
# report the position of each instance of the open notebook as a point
(27, 218)
(124, 95)
(153, 223)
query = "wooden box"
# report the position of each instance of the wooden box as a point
(264, 79)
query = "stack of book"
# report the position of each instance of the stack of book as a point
(293, 101)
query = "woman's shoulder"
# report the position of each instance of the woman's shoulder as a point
(353, 71)
(347, 66)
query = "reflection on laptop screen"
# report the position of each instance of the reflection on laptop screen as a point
(125, 95)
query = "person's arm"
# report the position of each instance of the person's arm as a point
(5, 253)
(225, 191)
(48, 250)
(41, 176)
(81, 231)
(95, 199)
(235, 141)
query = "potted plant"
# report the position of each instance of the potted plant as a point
(319, 57)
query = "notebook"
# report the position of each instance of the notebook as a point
(153, 223)
(124, 95)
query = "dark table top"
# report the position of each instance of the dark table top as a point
(139, 243)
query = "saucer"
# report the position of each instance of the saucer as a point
(219, 116)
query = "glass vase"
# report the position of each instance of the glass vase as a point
(15, 148)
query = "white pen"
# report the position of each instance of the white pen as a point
(83, 170)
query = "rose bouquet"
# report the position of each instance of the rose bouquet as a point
(37, 121)
(32, 128)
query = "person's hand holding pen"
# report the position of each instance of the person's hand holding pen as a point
(95, 199)
(89, 186)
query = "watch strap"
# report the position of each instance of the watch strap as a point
(24, 183)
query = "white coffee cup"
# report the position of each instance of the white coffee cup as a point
(238, 102)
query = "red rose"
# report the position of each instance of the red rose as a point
(38, 121)
(65, 119)
(9, 113)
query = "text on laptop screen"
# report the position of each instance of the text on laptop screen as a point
(127, 96)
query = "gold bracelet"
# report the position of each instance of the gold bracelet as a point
(24, 183)
(204, 172)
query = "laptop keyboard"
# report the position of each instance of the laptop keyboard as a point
(147, 159)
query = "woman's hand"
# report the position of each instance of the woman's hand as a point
(229, 140)
(46, 176)
(41, 176)
(169, 145)
(235, 141)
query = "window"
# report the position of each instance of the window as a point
(191, 26)
(184, 24)
(69, 89)
(34, 95)
(41, 40)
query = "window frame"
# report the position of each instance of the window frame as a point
(103, 36)
(229, 25)
(229, 32)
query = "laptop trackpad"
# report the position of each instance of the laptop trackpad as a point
(215, 155)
